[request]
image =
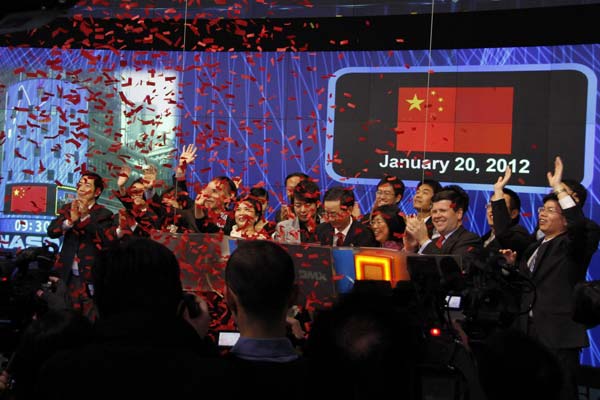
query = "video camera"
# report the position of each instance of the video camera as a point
(484, 295)
(22, 274)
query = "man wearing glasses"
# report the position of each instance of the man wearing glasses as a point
(339, 228)
(390, 191)
(555, 264)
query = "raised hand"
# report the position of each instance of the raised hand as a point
(124, 174)
(84, 209)
(139, 203)
(417, 229)
(149, 177)
(75, 213)
(555, 179)
(237, 180)
(501, 183)
(171, 202)
(284, 212)
(509, 255)
(356, 213)
(188, 155)
(199, 209)
(123, 219)
(411, 234)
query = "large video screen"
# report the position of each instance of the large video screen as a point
(342, 117)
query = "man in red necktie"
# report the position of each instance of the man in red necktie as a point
(339, 228)
(450, 237)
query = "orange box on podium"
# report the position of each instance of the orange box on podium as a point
(380, 264)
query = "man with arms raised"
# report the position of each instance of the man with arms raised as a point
(555, 264)
(503, 214)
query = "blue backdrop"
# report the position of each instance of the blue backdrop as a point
(257, 116)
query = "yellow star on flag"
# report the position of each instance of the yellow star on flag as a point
(414, 103)
(18, 193)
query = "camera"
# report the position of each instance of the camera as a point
(484, 295)
(189, 302)
(492, 296)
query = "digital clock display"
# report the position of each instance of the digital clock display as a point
(24, 225)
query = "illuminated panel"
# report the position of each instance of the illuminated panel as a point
(380, 264)
(488, 116)
(25, 198)
(373, 267)
(28, 199)
(64, 195)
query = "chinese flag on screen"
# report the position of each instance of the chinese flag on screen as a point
(459, 119)
(28, 199)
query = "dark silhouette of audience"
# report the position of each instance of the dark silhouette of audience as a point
(145, 344)
(513, 365)
(366, 346)
(54, 331)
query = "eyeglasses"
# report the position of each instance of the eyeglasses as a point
(384, 193)
(549, 210)
(332, 214)
(377, 222)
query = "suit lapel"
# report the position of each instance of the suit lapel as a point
(545, 248)
(451, 241)
(540, 256)
(329, 235)
(350, 235)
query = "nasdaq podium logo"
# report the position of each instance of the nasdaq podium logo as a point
(461, 124)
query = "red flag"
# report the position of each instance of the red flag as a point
(28, 199)
(459, 119)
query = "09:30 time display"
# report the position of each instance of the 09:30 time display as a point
(31, 225)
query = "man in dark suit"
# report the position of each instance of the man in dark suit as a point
(84, 224)
(592, 230)
(450, 237)
(555, 264)
(339, 228)
(503, 213)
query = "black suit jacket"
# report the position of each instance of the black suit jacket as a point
(508, 233)
(461, 242)
(430, 227)
(559, 265)
(83, 240)
(359, 235)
